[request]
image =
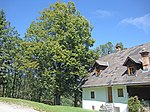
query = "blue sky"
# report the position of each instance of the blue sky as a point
(126, 21)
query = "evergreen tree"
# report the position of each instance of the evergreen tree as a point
(9, 40)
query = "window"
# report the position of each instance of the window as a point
(98, 72)
(120, 92)
(131, 71)
(92, 94)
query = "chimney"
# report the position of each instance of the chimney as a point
(145, 59)
(118, 47)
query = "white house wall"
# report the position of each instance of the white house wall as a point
(101, 97)
(120, 101)
(117, 99)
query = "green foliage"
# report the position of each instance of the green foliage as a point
(134, 104)
(9, 44)
(107, 48)
(67, 101)
(60, 39)
(53, 58)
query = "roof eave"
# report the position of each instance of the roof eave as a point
(127, 84)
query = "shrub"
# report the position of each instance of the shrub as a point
(134, 104)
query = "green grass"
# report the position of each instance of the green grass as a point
(42, 107)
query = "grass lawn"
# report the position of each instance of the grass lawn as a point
(42, 107)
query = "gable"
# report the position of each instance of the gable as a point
(129, 62)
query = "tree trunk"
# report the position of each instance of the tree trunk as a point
(75, 99)
(57, 99)
(39, 95)
(13, 87)
(7, 93)
(75, 93)
(3, 90)
(19, 87)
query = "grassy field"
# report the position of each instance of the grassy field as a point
(42, 107)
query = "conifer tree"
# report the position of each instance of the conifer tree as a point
(9, 40)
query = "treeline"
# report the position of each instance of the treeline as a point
(51, 61)
(108, 48)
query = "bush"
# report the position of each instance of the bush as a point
(66, 101)
(134, 104)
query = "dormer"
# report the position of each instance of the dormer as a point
(132, 65)
(99, 66)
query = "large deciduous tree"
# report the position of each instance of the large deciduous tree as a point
(58, 45)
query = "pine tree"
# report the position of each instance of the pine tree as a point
(9, 39)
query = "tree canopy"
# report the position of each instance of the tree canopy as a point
(57, 49)
(108, 48)
(52, 60)
(9, 44)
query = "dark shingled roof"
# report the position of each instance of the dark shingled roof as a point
(101, 63)
(116, 73)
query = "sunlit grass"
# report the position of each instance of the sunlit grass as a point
(42, 107)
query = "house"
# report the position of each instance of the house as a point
(116, 77)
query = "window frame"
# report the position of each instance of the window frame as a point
(120, 92)
(98, 72)
(131, 70)
(92, 94)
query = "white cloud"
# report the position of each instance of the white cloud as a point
(139, 22)
(102, 13)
